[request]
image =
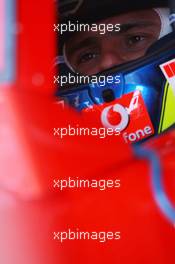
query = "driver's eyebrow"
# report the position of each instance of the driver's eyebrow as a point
(140, 24)
(89, 41)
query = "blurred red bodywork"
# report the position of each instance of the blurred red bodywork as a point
(31, 157)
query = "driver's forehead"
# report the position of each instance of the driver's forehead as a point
(142, 18)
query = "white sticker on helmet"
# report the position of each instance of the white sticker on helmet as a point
(168, 70)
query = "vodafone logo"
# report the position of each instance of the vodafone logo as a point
(122, 111)
(127, 115)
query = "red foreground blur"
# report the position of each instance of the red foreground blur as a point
(31, 157)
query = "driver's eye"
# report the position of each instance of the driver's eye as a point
(133, 40)
(87, 57)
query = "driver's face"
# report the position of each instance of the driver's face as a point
(90, 52)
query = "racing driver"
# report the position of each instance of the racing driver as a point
(137, 49)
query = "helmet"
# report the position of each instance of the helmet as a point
(139, 97)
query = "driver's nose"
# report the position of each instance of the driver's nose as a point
(110, 55)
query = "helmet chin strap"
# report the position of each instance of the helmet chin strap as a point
(164, 14)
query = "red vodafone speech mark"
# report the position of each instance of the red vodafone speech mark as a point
(124, 117)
